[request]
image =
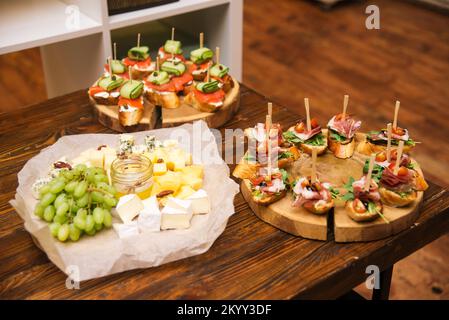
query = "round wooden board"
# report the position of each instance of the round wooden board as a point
(108, 115)
(300, 222)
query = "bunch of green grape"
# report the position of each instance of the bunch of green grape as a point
(77, 201)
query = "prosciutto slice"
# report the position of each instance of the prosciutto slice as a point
(399, 183)
(306, 135)
(359, 190)
(344, 126)
(383, 136)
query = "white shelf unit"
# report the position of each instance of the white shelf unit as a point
(73, 58)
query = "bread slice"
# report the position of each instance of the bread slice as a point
(109, 101)
(267, 200)
(341, 150)
(169, 100)
(307, 148)
(360, 217)
(367, 148)
(201, 106)
(312, 207)
(393, 199)
(131, 117)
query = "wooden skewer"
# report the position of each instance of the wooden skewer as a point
(138, 40)
(157, 63)
(208, 74)
(306, 104)
(313, 175)
(172, 33)
(389, 142)
(111, 73)
(270, 109)
(217, 55)
(399, 156)
(268, 139)
(396, 111)
(201, 39)
(115, 51)
(130, 74)
(345, 105)
(370, 172)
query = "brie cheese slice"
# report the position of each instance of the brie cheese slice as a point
(128, 207)
(200, 202)
(126, 230)
(177, 214)
(150, 217)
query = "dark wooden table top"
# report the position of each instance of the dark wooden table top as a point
(250, 260)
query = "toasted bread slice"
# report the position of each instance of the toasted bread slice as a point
(169, 100)
(360, 217)
(341, 150)
(393, 199)
(307, 148)
(318, 207)
(109, 101)
(202, 106)
(269, 199)
(130, 117)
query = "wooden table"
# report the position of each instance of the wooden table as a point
(250, 260)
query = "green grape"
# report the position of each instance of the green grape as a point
(98, 226)
(49, 213)
(97, 196)
(39, 210)
(60, 219)
(62, 209)
(60, 199)
(106, 187)
(107, 220)
(80, 222)
(90, 223)
(74, 232)
(99, 170)
(80, 189)
(91, 232)
(83, 201)
(57, 187)
(63, 232)
(71, 186)
(82, 213)
(109, 201)
(101, 178)
(44, 189)
(68, 174)
(54, 228)
(74, 208)
(80, 167)
(47, 199)
(98, 215)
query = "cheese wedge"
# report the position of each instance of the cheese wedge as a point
(159, 169)
(184, 192)
(129, 207)
(177, 214)
(192, 181)
(126, 230)
(200, 202)
(150, 217)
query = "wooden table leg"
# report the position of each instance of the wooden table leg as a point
(385, 281)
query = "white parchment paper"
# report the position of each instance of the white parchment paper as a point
(105, 253)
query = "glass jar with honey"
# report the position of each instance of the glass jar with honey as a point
(132, 173)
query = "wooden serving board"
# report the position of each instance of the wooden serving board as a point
(300, 222)
(108, 115)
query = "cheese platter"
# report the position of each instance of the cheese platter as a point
(137, 93)
(314, 182)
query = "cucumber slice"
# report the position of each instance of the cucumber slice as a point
(117, 66)
(159, 77)
(176, 68)
(132, 89)
(138, 53)
(172, 46)
(219, 71)
(200, 55)
(208, 87)
(110, 83)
